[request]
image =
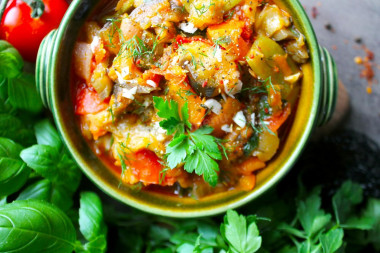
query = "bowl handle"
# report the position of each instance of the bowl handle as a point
(329, 89)
(44, 67)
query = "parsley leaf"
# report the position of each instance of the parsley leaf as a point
(203, 164)
(240, 238)
(332, 240)
(344, 200)
(168, 110)
(310, 214)
(206, 142)
(196, 149)
(177, 150)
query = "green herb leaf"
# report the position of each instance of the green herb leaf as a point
(202, 164)
(23, 95)
(206, 142)
(310, 214)
(373, 210)
(13, 171)
(168, 110)
(14, 129)
(11, 62)
(197, 149)
(50, 230)
(13, 176)
(9, 148)
(349, 195)
(91, 222)
(55, 166)
(332, 240)
(97, 245)
(46, 134)
(49, 192)
(177, 150)
(241, 238)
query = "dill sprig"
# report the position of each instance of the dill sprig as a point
(203, 9)
(219, 41)
(265, 87)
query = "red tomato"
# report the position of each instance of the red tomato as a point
(147, 166)
(26, 33)
(88, 101)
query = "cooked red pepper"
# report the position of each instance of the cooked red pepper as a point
(88, 101)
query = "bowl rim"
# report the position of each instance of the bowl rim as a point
(295, 8)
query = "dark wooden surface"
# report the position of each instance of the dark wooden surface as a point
(351, 20)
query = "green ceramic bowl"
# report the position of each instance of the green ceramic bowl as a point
(316, 105)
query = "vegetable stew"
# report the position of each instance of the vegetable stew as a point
(188, 97)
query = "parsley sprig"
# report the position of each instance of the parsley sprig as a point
(198, 150)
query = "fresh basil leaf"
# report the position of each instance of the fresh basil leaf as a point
(13, 175)
(58, 168)
(11, 62)
(3, 201)
(35, 226)
(9, 148)
(3, 89)
(91, 222)
(241, 238)
(49, 192)
(97, 245)
(345, 199)
(39, 190)
(46, 134)
(310, 214)
(332, 240)
(23, 94)
(14, 129)
(43, 159)
(13, 171)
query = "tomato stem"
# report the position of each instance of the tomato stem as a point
(2, 9)
(37, 6)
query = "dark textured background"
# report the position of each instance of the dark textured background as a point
(350, 20)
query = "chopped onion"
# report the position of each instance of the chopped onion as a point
(151, 83)
(120, 78)
(293, 78)
(227, 128)
(218, 54)
(129, 93)
(188, 27)
(214, 105)
(236, 89)
(240, 119)
(125, 71)
(95, 43)
(253, 121)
